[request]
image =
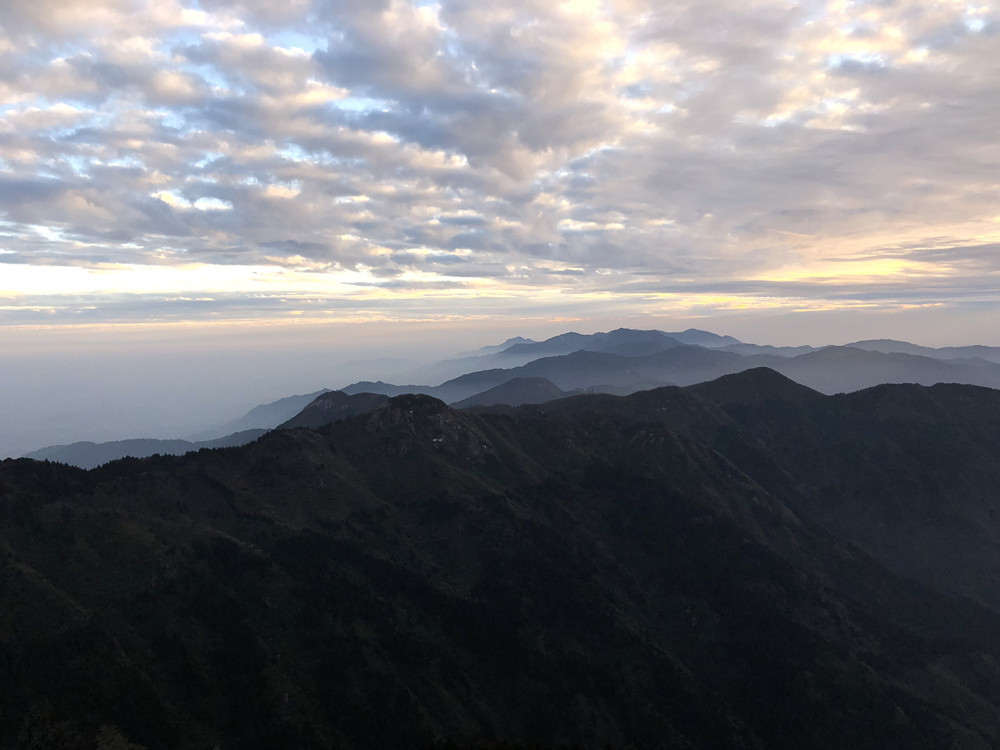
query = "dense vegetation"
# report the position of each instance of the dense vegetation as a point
(741, 564)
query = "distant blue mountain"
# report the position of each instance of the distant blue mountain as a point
(88, 455)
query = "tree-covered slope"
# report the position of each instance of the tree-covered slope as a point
(589, 572)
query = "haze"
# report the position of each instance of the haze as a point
(206, 205)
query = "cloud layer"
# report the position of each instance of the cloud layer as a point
(329, 157)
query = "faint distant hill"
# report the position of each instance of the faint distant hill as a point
(622, 341)
(320, 408)
(437, 372)
(780, 351)
(88, 455)
(891, 346)
(265, 416)
(840, 369)
(515, 392)
(707, 339)
(580, 369)
(518, 351)
(495, 349)
(569, 371)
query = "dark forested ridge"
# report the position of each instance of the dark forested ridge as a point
(744, 563)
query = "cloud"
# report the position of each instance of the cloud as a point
(584, 147)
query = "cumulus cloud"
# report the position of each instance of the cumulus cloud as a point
(797, 150)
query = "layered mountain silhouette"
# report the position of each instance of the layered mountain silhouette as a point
(264, 416)
(741, 563)
(889, 346)
(88, 455)
(516, 391)
(829, 370)
(517, 351)
(619, 362)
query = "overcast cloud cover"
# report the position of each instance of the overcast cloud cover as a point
(182, 160)
(786, 172)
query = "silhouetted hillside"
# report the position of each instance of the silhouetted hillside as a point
(907, 472)
(657, 570)
(333, 405)
(760, 385)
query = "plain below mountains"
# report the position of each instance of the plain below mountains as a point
(745, 563)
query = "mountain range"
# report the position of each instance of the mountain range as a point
(654, 359)
(743, 562)
(622, 361)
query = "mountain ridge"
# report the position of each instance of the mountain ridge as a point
(655, 569)
(646, 359)
(594, 570)
(828, 370)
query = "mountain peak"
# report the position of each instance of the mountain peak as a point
(416, 422)
(334, 405)
(754, 386)
(485, 351)
(698, 337)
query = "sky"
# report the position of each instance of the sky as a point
(241, 196)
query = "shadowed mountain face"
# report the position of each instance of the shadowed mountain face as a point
(909, 473)
(332, 406)
(597, 570)
(760, 386)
